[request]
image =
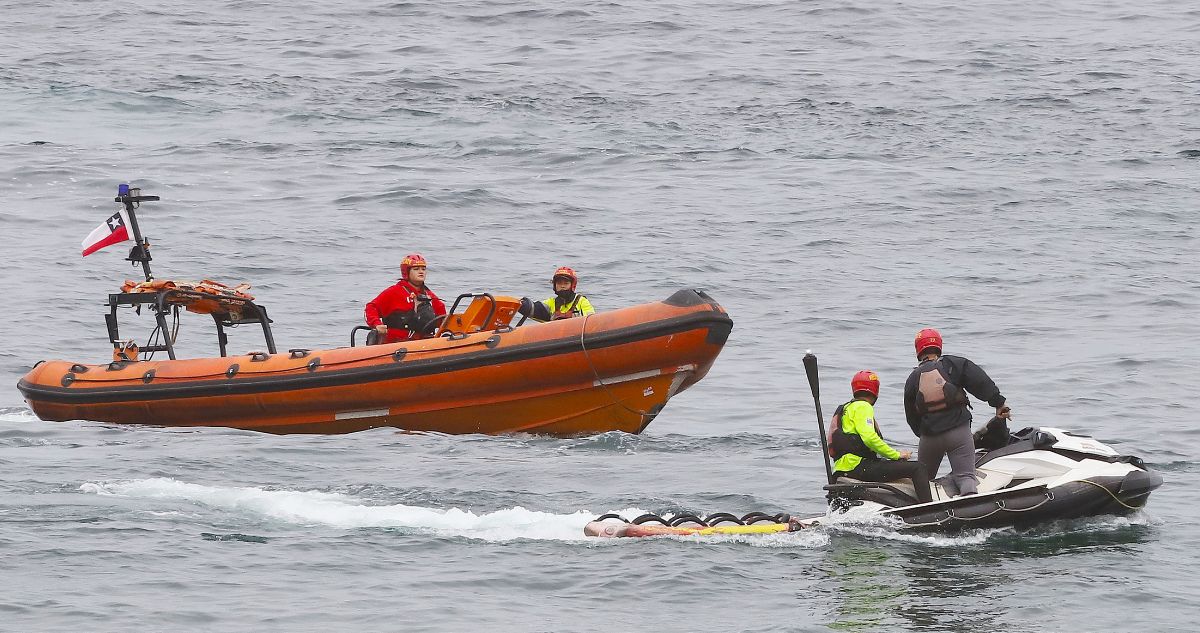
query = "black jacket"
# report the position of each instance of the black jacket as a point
(961, 372)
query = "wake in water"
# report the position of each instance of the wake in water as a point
(342, 511)
(311, 507)
(1053, 533)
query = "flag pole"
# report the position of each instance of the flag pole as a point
(131, 198)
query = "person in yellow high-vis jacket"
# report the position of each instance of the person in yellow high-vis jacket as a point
(858, 448)
(565, 303)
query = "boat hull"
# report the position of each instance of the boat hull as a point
(612, 371)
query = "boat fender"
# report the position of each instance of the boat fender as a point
(314, 364)
(148, 376)
(232, 371)
(67, 379)
(399, 354)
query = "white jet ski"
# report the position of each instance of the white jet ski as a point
(1036, 475)
(1044, 474)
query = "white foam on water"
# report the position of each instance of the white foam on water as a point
(808, 538)
(893, 529)
(18, 415)
(311, 507)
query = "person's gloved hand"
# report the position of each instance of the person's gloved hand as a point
(1004, 413)
(526, 306)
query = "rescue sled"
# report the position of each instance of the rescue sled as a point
(615, 526)
(481, 373)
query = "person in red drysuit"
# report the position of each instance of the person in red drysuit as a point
(408, 310)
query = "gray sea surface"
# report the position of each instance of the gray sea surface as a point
(838, 174)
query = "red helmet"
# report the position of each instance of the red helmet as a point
(865, 380)
(566, 273)
(410, 260)
(926, 339)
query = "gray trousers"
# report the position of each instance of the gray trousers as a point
(956, 442)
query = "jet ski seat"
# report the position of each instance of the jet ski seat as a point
(897, 490)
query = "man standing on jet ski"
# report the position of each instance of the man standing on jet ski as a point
(938, 411)
(856, 444)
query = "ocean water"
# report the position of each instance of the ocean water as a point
(837, 174)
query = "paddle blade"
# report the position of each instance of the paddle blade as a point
(810, 369)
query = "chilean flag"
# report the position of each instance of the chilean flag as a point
(115, 229)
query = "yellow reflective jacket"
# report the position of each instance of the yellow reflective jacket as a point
(858, 418)
(578, 306)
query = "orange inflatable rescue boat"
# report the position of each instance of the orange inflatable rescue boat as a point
(483, 373)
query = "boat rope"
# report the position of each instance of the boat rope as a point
(1000, 507)
(1048, 499)
(1110, 493)
(587, 356)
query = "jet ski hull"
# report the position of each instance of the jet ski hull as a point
(1022, 507)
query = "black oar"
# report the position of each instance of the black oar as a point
(810, 368)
